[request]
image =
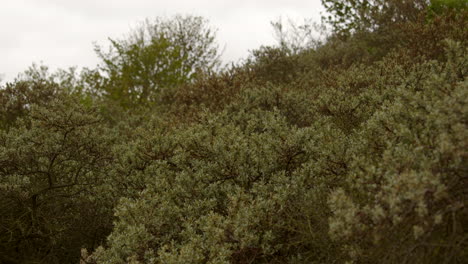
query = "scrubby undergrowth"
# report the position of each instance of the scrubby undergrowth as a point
(354, 151)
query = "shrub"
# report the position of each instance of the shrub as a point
(51, 166)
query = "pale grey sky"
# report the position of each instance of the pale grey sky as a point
(61, 33)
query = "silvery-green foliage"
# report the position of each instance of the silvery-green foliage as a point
(202, 203)
(370, 165)
(351, 151)
(406, 189)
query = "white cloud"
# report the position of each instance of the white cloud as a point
(60, 33)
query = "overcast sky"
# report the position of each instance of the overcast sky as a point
(61, 33)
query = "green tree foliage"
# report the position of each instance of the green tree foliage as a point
(16, 99)
(441, 6)
(50, 168)
(347, 16)
(160, 54)
(33, 87)
(38, 86)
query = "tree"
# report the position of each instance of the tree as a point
(39, 86)
(50, 168)
(159, 54)
(440, 6)
(34, 86)
(347, 16)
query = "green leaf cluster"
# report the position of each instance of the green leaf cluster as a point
(156, 57)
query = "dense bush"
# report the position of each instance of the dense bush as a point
(52, 165)
(248, 185)
(351, 151)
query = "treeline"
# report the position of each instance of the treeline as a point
(350, 148)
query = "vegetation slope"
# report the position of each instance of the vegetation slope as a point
(352, 149)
